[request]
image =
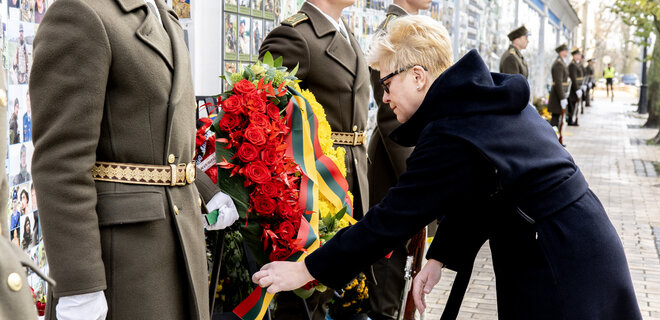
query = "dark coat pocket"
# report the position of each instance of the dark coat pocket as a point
(133, 207)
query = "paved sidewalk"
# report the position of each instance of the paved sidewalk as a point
(604, 148)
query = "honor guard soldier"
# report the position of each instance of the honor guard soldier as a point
(589, 81)
(332, 66)
(559, 89)
(512, 60)
(114, 140)
(575, 73)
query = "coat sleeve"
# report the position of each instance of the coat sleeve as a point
(207, 189)
(444, 175)
(557, 80)
(288, 43)
(72, 57)
(572, 73)
(510, 65)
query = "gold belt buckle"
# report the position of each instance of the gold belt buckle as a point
(173, 175)
(191, 173)
(355, 138)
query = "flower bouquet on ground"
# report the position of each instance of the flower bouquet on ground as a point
(275, 158)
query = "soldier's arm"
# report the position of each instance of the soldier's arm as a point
(557, 82)
(572, 73)
(287, 42)
(510, 65)
(72, 58)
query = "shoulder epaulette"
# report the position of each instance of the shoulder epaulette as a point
(512, 51)
(295, 19)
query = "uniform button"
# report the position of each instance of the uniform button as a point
(176, 210)
(14, 282)
(171, 158)
(356, 161)
(355, 128)
(199, 202)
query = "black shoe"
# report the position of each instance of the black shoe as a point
(573, 124)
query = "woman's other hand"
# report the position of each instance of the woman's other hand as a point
(282, 276)
(424, 282)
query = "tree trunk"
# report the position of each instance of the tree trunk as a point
(653, 91)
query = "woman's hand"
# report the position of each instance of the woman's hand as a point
(424, 282)
(282, 276)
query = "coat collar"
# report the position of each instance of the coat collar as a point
(517, 52)
(152, 33)
(320, 23)
(396, 10)
(130, 5)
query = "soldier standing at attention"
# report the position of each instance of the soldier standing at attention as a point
(575, 73)
(332, 66)
(388, 161)
(589, 81)
(558, 92)
(512, 60)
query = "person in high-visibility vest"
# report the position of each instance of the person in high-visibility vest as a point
(608, 74)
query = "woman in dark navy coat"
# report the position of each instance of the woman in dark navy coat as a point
(490, 168)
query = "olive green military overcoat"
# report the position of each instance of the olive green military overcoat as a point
(337, 73)
(110, 82)
(559, 88)
(513, 62)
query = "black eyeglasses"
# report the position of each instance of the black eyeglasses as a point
(386, 87)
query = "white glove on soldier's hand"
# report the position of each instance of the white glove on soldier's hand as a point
(583, 88)
(579, 93)
(591, 85)
(222, 208)
(563, 103)
(88, 306)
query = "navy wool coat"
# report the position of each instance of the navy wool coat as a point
(491, 168)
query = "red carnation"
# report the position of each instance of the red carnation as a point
(255, 135)
(229, 121)
(257, 172)
(270, 189)
(264, 205)
(248, 152)
(244, 87)
(273, 111)
(233, 104)
(259, 119)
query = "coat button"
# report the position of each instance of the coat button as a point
(199, 202)
(14, 282)
(355, 128)
(171, 158)
(176, 210)
(356, 161)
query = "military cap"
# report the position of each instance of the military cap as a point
(517, 33)
(575, 51)
(561, 48)
(590, 60)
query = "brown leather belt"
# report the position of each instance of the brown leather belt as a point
(155, 175)
(348, 138)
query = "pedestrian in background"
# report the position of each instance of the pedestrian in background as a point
(608, 74)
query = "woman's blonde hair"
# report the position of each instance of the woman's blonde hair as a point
(412, 40)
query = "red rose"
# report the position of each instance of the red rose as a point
(255, 103)
(270, 189)
(273, 111)
(233, 104)
(229, 121)
(286, 231)
(280, 254)
(248, 152)
(244, 87)
(257, 172)
(270, 157)
(255, 135)
(264, 205)
(259, 119)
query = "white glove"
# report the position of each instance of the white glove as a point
(579, 93)
(88, 306)
(563, 103)
(583, 88)
(591, 85)
(226, 211)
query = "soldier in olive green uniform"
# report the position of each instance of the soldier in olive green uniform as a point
(332, 66)
(512, 60)
(575, 73)
(114, 134)
(559, 89)
(589, 81)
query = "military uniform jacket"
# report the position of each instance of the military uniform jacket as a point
(336, 72)
(559, 88)
(110, 82)
(588, 75)
(387, 159)
(575, 72)
(513, 62)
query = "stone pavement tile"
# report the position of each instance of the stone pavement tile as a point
(602, 147)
